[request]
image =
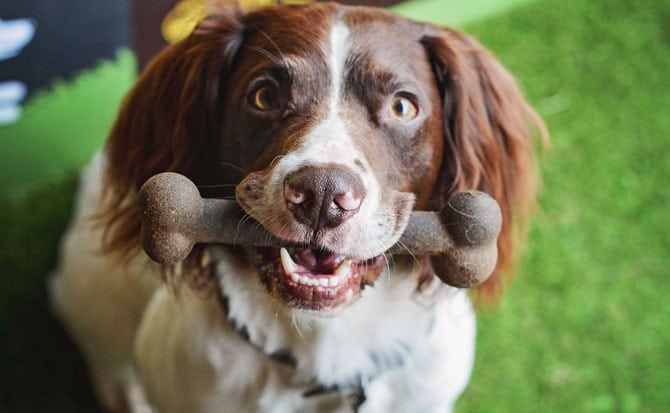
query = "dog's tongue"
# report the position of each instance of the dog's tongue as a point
(315, 261)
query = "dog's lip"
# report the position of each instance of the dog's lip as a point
(316, 280)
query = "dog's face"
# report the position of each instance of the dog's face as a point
(334, 123)
(339, 124)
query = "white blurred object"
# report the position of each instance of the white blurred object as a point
(12, 91)
(11, 94)
(14, 36)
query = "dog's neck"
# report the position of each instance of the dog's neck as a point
(379, 332)
(355, 394)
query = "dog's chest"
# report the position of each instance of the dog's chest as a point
(387, 323)
(309, 361)
(195, 356)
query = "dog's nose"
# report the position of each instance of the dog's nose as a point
(323, 196)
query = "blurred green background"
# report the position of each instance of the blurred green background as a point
(584, 326)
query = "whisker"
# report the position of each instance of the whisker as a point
(296, 325)
(230, 165)
(265, 53)
(214, 186)
(387, 264)
(272, 42)
(409, 252)
(268, 236)
(276, 158)
(246, 217)
(285, 228)
(276, 319)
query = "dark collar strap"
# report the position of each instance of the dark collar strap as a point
(283, 356)
(355, 394)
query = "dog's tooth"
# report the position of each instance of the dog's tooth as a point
(304, 280)
(295, 277)
(333, 281)
(287, 262)
(343, 269)
(323, 282)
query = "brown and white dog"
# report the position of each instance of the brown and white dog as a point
(330, 124)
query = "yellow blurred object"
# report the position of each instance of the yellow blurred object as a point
(186, 14)
(182, 19)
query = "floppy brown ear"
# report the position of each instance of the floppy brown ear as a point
(489, 142)
(169, 121)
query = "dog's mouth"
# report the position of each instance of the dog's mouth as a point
(317, 280)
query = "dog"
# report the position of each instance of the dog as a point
(328, 124)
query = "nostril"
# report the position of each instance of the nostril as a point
(294, 196)
(348, 201)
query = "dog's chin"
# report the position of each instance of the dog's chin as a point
(315, 282)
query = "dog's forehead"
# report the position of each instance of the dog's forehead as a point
(286, 31)
(310, 34)
(389, 39)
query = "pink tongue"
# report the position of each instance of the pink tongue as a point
(318, 262)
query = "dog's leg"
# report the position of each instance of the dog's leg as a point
(99, 298)
(182, 355)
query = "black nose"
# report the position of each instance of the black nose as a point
(323, 196)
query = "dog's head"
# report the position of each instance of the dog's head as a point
(333, 123)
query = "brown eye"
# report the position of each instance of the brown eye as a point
(265, 98)
(402, 109)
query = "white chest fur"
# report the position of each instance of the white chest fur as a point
(194, 359)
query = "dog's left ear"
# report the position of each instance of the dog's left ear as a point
(488, 132)
(169, 121)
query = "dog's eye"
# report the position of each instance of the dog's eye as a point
(403, 109)
(265, 98)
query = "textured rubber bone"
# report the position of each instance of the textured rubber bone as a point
(461, 239)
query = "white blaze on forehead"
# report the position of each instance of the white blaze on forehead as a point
(339, 50)
(329, 142)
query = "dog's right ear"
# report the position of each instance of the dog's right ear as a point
(169, 120)
(490, 137)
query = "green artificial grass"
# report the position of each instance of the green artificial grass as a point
(40, 368)
(454, 13)
(584, 326)
(62, 126)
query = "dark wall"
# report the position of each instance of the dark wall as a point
(70, 35)
(75, 34)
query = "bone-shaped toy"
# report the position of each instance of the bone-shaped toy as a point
(461, 239)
